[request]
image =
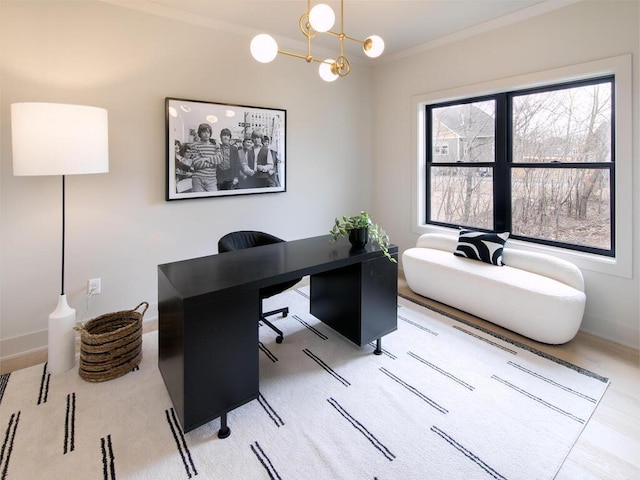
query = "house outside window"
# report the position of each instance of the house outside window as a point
(441, 149)
(538, 163)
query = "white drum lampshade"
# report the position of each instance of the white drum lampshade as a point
(59, 139)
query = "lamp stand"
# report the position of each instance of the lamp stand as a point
(61, 354)
(62, 338)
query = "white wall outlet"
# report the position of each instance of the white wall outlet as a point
(94, 286)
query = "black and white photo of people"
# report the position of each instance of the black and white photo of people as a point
(217, 149)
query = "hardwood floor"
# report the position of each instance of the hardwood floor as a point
(609, 447)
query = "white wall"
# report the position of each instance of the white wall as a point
(580, 33)
(119, 227)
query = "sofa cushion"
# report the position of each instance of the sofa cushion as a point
(483, 246)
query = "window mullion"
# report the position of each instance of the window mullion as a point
(501, 174)
(429, 162)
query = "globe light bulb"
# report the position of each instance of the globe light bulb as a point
(322, 18)
(326, 72)
(264, 48)
(373, 46)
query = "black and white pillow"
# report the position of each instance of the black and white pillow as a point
(486, 247)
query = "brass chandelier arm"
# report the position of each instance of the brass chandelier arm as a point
(308, 58)
(344, 36)
(305, 27)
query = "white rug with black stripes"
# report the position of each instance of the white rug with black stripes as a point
(445, 401)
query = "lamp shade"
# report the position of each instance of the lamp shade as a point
(59, 139)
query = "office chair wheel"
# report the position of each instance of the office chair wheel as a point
(279, 339)
(284, 314)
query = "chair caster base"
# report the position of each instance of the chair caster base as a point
(279, 339)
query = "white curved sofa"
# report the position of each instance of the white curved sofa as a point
(536, 295)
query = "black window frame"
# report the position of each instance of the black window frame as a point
(503, 165)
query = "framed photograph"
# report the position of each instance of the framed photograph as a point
(215, 150)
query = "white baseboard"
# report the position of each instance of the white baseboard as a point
(613, 332)
(23, 345)
(15, 347)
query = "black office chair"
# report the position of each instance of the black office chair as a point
(249, 239)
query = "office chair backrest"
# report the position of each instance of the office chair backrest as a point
(245, 239)
(248, 239)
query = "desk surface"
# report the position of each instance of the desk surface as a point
(259, 267)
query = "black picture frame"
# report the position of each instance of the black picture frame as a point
(201, 167)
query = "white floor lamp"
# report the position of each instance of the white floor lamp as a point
(59, 139)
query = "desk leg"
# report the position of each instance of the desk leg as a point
(378, 350)
(224, 431)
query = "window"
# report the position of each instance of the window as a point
(441, 149)
(538, 163)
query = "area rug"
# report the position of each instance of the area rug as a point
(445, 401)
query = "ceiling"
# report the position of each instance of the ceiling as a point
(405, 25)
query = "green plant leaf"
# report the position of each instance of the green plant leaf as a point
(342, 228)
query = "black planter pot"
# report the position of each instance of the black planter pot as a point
(359, 237)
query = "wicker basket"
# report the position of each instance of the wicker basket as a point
(111, 344)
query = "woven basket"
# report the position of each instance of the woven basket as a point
(111, 344)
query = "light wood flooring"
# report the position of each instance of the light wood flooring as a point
(609, 447)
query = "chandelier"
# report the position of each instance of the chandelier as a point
(319, 19)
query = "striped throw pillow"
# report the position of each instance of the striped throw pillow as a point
(486, 247)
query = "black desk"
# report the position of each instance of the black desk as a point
(209, 307)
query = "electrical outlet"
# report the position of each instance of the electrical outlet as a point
(94, 286)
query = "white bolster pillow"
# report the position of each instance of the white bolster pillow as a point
(439, 241)
(546, 265)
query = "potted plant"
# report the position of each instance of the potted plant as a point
(360, 229)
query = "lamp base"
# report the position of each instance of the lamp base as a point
(62, 338)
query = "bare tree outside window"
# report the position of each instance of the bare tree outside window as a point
(463, 194)
(571, 127)
(538, 163)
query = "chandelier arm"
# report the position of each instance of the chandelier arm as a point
(354, 39)
(308, 58)
(291, 54)
(306, 28)
(335, 34)
(345, 36)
